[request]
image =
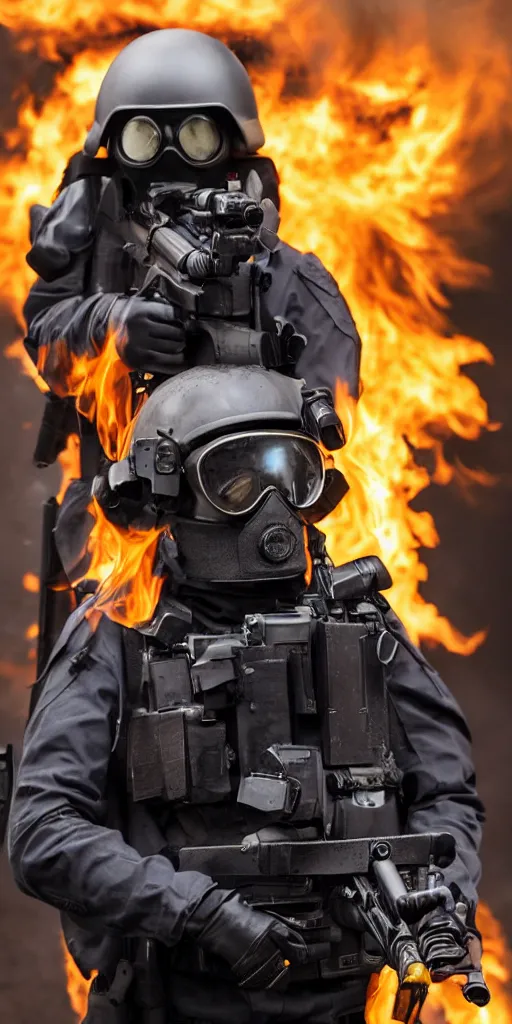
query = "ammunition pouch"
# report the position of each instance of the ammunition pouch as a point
(303, 702)
(178, 755)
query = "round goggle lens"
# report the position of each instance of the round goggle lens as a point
(199, 139)
(140, 140)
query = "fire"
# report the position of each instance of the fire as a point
(123, 561)
(77, 986)
(69, 461)
(31, 582)
(384, 132)
(102, 387)
(374, 144)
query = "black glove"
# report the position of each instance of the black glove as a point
(257, 946)
(442, 940)
(150, 338)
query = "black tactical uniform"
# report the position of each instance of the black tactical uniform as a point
(230, 744)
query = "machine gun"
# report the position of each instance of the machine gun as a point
(393, 916)
(363, 873)
(197, 246)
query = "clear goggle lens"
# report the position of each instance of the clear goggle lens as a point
(235, 472)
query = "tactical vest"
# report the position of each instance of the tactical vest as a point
(265, 756)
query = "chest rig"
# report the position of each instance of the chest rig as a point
(287, 718)
(278, 737)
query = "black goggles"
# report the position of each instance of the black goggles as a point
(235, 472)
(196, 137)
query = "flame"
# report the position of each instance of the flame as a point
(77, 985)
(380, 508)
(385, 144)
(372, 153)
(69, 461)
(122, 560)
(102, 387)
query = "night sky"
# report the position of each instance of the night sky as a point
(470, 579)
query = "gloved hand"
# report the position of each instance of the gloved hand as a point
(256, 945)
(150, 338)
(450, 946)
(442, 940)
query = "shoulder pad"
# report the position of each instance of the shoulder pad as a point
(310, 268)
(71, 626)
(61, 231)
(322, 286)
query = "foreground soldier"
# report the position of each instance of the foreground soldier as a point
(183, 785)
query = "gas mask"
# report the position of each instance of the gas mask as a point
(250, 497)
(235, 460)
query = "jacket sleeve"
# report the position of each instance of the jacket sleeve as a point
(433, 750)
(60, 847)
(61, 314)
(303, 292)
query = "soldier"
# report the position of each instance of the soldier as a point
(175, 105)
(197, 794)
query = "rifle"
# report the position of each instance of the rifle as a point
(364, 873)
(389, 910)
(196, 246)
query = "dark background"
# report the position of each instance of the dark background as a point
(469, 581)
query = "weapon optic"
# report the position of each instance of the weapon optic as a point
(196, 245)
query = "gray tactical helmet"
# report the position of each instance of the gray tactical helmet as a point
(201, 403)
(227, 436)
(176, 69)
(206, 400)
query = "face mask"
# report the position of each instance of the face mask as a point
(267, 547)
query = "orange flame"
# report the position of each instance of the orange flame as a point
(372, 152)
(31, 582)
(69, 461)
(379, 508)
(77, 985)
(123, 561)
(102, 387)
